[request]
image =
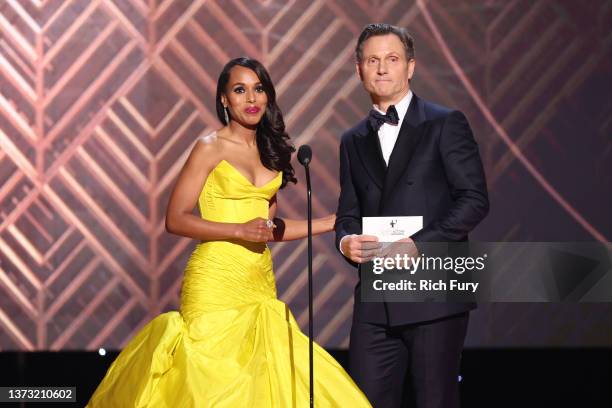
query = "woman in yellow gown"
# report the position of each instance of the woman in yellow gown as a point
(233, 343)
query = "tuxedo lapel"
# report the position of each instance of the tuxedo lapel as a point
(370, 154)
(408, 139)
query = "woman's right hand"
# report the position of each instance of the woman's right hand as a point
(255, 230)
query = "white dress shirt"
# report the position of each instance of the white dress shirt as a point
(387, 135)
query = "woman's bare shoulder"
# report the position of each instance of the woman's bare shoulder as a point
(206, 151)
(208, 144)
(209, 138)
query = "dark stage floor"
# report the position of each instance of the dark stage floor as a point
(490, 377)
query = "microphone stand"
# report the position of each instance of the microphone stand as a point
(304, 157)
(310, 318)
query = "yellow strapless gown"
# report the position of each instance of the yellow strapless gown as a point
(233, 343)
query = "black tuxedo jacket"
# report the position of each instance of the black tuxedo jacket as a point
(434, 171)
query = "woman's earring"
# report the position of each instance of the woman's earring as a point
(225, 111)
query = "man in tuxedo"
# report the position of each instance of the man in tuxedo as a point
(408, 157)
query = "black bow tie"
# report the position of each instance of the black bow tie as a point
(376, 119)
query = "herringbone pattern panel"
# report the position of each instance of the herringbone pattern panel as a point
(101, 101)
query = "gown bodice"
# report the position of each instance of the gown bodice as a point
(225, 273)
(228, 196)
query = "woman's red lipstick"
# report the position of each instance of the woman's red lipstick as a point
(252, 110)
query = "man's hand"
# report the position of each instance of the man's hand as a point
(360, 248)
(404, 246)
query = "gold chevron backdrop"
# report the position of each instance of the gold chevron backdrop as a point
(101, 101)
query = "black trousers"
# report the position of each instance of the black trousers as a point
(414, 365)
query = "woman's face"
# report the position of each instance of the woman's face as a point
(245, 97)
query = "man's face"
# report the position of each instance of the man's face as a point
(384, 68)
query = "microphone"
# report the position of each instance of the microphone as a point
(304, 155)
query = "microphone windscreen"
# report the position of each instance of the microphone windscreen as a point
(304, 155)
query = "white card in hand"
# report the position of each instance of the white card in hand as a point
(391, 229)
